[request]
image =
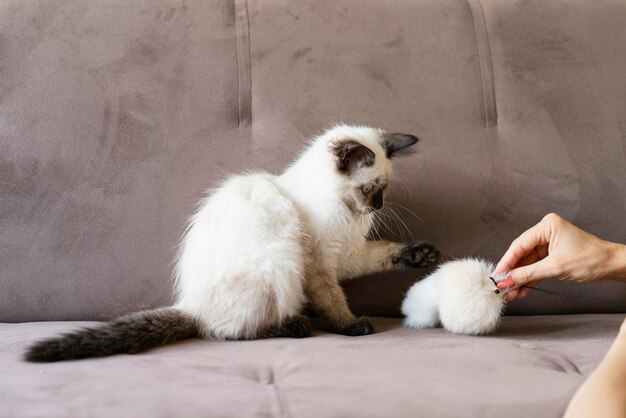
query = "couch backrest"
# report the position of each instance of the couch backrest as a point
(116, 116)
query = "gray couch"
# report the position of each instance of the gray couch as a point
(115, 116)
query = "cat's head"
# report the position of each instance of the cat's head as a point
(363, 158)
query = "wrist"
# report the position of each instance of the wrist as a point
(616, 266)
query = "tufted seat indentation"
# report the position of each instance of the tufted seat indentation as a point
(535, 363)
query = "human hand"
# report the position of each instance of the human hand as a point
(554, 248)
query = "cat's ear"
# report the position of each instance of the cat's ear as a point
(351, 155)
(398, 144)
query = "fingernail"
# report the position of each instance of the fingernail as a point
(506, 284)
(498, 277)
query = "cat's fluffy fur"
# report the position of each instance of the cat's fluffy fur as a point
(261, 245)
(459, 295)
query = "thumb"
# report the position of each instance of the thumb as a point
(526, 274)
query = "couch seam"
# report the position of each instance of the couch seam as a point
(244, 76)
(485, 62)
(280, 411)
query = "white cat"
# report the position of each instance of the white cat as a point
(260, 246)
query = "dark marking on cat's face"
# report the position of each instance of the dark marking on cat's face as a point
(397, 144)
(377, 200)
(352, 155)
(372, 195)
(364, 168)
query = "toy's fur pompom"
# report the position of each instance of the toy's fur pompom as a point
(459, 295)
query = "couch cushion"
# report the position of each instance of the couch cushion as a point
(531, 367)
(116, 116)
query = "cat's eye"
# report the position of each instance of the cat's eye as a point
(366, 189)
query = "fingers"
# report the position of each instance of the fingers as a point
(523, 292)
(520, 293)
(527, 274)
(523, 246)
(527, 259)
(511, 296)
(531, 258)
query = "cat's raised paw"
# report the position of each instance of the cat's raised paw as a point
(360, 327)
(418, 256)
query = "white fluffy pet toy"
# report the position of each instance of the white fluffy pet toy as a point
(461, 295)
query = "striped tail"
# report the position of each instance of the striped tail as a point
(129, 334)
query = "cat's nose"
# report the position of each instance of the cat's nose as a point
(377, 200)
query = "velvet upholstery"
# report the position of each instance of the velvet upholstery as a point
(116, 116)
(529, 368)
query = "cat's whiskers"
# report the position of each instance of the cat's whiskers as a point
(408, 230)
(382, 224)
(394, 204)
(406, 187)
(375, 223)
(373, 232)
(378, 222)
(384, 215)
(360, 224)
(400, 224)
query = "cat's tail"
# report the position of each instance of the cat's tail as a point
(130, 334)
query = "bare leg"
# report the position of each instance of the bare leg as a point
(375, 256)
(603, 394)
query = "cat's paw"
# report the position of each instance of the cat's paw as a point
(361, 327)
(298, 327)
(418, 255)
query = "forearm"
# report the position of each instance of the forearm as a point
(375, 256)
(616, 268)
(371, 257)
